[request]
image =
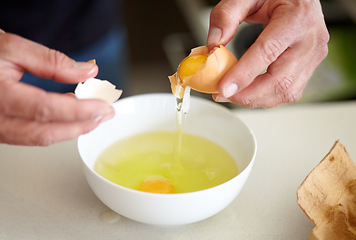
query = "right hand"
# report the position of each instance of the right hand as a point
(291, 46)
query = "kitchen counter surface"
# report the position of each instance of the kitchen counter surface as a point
(44, 195)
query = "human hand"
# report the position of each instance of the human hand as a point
(291, 46)
(32, 116)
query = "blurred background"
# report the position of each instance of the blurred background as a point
(161, 34)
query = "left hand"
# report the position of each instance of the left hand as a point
(32, 116)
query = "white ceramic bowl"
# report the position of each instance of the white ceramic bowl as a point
(157, 112)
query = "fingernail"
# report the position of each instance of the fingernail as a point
(105, 114)
(214, 36)
(221, 99)
(104, 118)
(90, 67)
(229, 90)
(84, 65)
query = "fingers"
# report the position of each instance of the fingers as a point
(225, 19)
(28, 102)
(272, 42)
(42, 61)
(25, 132)
(294, 36)
(32, 116)
(277, 86)
(286, 77)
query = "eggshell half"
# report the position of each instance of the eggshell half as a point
(218, 62)
(94, 88)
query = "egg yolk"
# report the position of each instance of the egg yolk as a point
(190, 65)
(156, 185)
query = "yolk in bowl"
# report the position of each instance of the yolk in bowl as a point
(156, 185)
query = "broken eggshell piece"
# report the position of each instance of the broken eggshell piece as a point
(218, 62)
(94, 88)
(328, 196)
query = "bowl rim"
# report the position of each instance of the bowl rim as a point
(164, 195)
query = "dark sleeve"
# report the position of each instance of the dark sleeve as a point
(65, 25)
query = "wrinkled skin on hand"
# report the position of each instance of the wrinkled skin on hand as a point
(32, 116)
(291, 46)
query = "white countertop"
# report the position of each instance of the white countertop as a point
(44, 195)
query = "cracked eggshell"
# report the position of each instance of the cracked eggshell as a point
(328, 196)
(219, 61)
(94, 88)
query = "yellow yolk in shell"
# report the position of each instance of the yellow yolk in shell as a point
(156, 185)
(190, 65)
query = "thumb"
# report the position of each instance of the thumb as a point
(44, 62)
(226, 17)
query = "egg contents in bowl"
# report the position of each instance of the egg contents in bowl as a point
(148, 162)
